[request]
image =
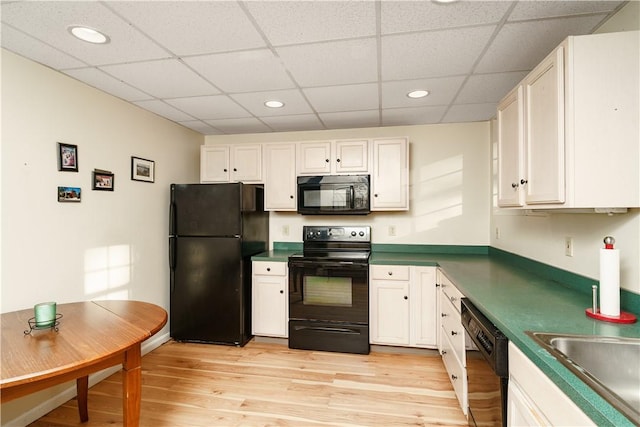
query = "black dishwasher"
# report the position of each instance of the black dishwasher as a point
(487, 369)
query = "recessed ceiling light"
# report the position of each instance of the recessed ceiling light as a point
(274, 104)
(89, 34)
(418, 94)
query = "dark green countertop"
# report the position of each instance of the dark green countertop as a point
(518, 296)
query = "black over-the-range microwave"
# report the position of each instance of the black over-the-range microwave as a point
(333, 195)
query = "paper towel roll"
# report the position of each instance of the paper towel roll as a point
(610, 282)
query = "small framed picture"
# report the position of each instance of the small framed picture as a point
(69, 194)
(67, 157)
(142, 169)
(102, 180)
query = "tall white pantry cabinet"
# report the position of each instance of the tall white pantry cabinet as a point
(568, 134)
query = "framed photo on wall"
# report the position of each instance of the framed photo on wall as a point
(142, 169)
(102, 180)
(67, 157)
(69, 194)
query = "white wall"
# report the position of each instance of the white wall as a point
(112, 244)
(542, 237)
(449, 185)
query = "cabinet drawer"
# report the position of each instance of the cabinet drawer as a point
(457, 372)
(390, 272)
(453, 330)
(269, 268)
(451, 293)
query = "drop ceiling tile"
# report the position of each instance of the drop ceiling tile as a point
(343, 98)
(247, 71)
(167, 78)
(549, 9)
(48, 22)
(245, 125)
(164, 110)
(294, 103)
(441, 92)
(470, 113)
(481, 88)
(333, 63)
(299, 122)
(412, 116)
(192, 27)
(210, 107)
(18, 42)
(200, 126)
(406, 16)
(432, 54)
(351, 119)
(293, 22)
(520, 46)
(100, 80)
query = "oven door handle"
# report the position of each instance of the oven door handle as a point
(335, 265)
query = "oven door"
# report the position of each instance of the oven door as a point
(329, 291)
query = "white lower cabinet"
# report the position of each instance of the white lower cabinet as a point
(534, 400)
(269, 299)
(451, 339)
(402, 302)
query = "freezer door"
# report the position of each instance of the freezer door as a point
(208, 291)
(206, 209)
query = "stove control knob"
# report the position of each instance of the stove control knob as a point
(353, 233)
(361, 233)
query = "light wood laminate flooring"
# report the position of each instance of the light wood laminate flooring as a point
(268, 384)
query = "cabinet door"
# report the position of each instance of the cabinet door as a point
(352, 156)
(269, 306)
(510, 149)
(544, 135)
(280, 177)
(423, 306)
(246, 163)
(314, 158)
(390, 178)
(214, 163)
(389, 312)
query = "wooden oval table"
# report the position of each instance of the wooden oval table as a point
(91, 336)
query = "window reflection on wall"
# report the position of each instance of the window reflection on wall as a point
(107, 272)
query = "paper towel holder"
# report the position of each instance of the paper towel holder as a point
(594, 312)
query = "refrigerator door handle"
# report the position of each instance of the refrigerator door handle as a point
(172, 253)
(353, 197)
(172, 219)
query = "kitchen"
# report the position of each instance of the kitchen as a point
(115, 243)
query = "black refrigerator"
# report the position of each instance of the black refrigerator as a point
(214, 230)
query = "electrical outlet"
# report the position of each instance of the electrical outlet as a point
(497, 233)
(285, 230)
(392, 230)
(568, 246)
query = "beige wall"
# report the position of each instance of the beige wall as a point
(112, 244)
(449, 182)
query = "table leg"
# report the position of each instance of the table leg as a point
(82, 388)
(132, 386)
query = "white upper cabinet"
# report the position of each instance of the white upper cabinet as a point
(231, 163)
(568, 135)
(280, 177)
(390, 174)
(333, 157)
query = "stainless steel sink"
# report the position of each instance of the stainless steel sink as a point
(609, 365)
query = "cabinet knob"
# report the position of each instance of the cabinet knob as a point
(523, 181)
(291, 197)
(406, 297)
(326, 160)
(454, 377)
(235, 170)
(338, 160)
(444, 352)
(268, 268)
(514, 185)
(454, 333)
(390, 273)
(375, 195)
(224, 170)
(443, 314)
(281, 291)
(454, 299)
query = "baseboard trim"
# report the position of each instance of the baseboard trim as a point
(69, 393)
